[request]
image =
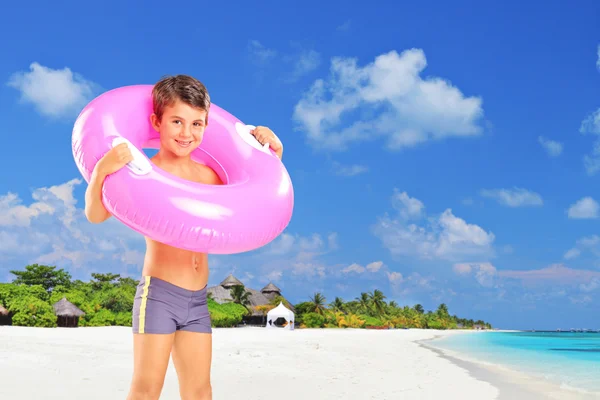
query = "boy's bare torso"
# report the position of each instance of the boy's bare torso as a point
(180, 267)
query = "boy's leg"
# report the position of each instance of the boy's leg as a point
(150, 361)
(154, 328)
(192, 350)
(192, 357)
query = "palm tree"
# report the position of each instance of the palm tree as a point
(337, 304)
(419, 308)
(317, 303)
(442, 310)
(377, 299)
(364, 302)
(240, 295)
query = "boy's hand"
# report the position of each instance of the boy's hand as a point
(115, 159)
(266, 135)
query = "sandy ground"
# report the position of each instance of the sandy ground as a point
(248, 363)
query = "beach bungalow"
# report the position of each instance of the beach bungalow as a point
(67, 313)
(222, 294)
(5, 317)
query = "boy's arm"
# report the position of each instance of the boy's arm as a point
(115, 159)
(94, 209)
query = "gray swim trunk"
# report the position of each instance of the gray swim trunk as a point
(162, 307)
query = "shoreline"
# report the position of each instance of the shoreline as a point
(511, 384)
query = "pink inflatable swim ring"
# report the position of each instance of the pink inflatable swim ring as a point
(251, 208)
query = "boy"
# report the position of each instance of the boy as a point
(170, 313)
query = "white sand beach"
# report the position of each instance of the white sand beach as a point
(248, 363)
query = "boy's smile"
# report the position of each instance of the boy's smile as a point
(181, 128)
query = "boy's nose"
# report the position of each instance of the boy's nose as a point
(186, 132)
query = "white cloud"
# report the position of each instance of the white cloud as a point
(552, 147)
(291, 254)
(462, 268)
(395, 277)
(301, 248)
(332, 241)
(275, 275)
(553, 281)
(516, 197)
(572, 253)
(283, 244)
(484, 273)
(259, 53)
(556, 274)
(309, 269)
(349, 170)
(53, 230)
(300, 62)
(307, 61)
(359, 269)
(389, 99)
(444, 236)
(13, 213)
(590, 286)
(587, 244)
(585, 208)
(53, 92)
(345, 26)
(408, 207)
(583, 299)
(373, 267)
(591, 125)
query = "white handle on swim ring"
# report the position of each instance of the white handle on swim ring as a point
(140, 165)
(244, 132)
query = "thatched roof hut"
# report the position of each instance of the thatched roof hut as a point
(5, 317)
(231, 281)
(222, 293)
(64, 308)
(68, 313)
(271, 291)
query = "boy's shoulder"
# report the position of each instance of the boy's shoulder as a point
(206, 175)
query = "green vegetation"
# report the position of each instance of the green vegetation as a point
(107, 299)
(370, 310)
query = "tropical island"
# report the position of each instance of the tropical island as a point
(44, 296)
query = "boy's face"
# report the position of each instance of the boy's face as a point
(181, 128)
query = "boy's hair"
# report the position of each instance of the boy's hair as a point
(179, 87)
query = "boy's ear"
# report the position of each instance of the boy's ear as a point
(154, 121)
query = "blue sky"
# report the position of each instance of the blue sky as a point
(439, 153)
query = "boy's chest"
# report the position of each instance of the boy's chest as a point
(198, 174)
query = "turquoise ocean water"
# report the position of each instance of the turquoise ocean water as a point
(570, 359)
